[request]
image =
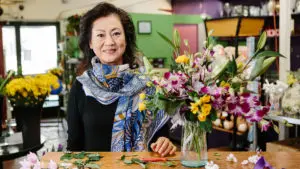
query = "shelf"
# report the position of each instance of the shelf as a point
(235, 26)
(292, 119)
(226, 130)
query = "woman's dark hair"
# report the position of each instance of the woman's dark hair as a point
(86, 23)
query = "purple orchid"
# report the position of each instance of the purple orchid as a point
(262, 164)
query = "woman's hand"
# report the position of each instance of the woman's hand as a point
(163, 146)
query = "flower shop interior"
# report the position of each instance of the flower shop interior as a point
(39, 43)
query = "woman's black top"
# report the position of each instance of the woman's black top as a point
(90, 122)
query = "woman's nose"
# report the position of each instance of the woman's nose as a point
(109, 40)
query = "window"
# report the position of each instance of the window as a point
(9, 48)
(30, 46)
(38, 49)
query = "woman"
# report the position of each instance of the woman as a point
(102, 112)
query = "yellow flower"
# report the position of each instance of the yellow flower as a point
(205, 99)
(142, 96)
(149, 84)
(205, 109)
(24, 94)
(224, 84)
(182, 59)
(142, 106)
(240, 65)
(201, 117)
(291, 79)
(194, 108)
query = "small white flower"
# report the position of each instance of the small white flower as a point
(52, 165)
(231, 158)
(253, 159)
(211, 165)
(65, 165)
(244, 162)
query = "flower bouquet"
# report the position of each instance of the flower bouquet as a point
(201, 84)
(30, 91)
(27, 95)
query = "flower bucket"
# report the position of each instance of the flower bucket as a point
(28, 122)
(193, 145)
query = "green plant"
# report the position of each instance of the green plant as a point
(3, 81)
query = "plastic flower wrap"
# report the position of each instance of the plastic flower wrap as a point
(30, 91)
(204, 83)
(275, 92)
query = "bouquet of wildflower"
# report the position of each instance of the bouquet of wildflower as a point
(207, 82)
(30, 91)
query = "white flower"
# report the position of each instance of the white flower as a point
(52, 165)
(231, 158)
(32, 158)
(253, 159)
(244, 162)
(211, 165)
(65, 165)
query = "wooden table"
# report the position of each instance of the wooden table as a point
(111, 160)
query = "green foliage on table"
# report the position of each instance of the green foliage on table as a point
(88, 163)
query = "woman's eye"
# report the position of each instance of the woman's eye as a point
(100, 35)
(116, 33)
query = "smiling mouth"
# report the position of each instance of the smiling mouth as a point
(110, 51)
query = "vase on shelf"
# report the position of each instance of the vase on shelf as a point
(193, 145)
(28, 122)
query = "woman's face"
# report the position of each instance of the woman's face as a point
(108, 40)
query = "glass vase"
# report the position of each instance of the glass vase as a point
(193, 145)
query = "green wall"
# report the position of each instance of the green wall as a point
(152, 45)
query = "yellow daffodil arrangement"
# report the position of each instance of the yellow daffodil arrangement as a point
(30, 91)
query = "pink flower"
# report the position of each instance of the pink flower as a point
(25, 164)
(32, 158)
(52, 165)
(37, 165)
(265, 125)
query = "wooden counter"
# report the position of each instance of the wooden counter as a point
(111, 160)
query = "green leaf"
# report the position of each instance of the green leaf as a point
(79, 155)
(176, 38)
(147, 65)
(268, 53)
(122, 157)
(276, 129)
(66, 156)
(258, 67)
(92, 166)
(79, 163)
(94, 157)
(232, 67)
(127, 161)
(262, 41)
(166, 39)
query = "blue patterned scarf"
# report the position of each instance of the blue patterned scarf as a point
(110, 83)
